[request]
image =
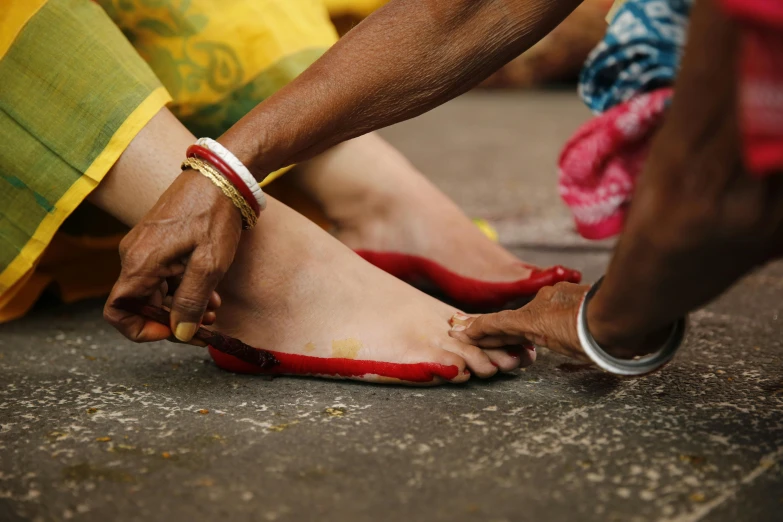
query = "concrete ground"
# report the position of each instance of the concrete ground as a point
(96, 428)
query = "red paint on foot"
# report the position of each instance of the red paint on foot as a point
(467, 290)
(293, 364)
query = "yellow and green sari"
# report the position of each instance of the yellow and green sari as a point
(79, 79)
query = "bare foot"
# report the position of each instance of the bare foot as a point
(297, 291)
(381, 204)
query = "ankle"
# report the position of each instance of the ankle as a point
(366, 207)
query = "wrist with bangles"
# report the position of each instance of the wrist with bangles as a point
(230, 175)
(620, 366)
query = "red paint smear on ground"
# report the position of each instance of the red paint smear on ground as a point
(293, 364)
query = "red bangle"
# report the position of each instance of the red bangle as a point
(217, 162)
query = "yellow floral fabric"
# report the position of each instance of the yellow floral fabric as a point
(219, 58)
(79, 79)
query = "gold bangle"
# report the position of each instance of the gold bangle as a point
(249, 218)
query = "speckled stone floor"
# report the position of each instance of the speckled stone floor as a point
(96, 428)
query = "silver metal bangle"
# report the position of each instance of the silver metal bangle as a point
(638, 366)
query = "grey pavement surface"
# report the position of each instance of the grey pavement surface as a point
(96, 428)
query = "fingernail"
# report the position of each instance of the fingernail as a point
(185, 331)
(460, 315)
(458, 328)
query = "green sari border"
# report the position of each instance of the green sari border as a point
(76, 194)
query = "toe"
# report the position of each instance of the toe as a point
(449, 360)
(476, 359)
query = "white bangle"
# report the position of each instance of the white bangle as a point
(639, 365)
(237, 166)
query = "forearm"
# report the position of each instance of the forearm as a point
(639, 299)
(688, 235)
(408, 57)
(693, 225)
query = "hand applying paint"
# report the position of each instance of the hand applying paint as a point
(188, 237)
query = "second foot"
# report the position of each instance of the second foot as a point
(396, 219)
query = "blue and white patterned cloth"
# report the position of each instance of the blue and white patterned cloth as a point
(640, 53)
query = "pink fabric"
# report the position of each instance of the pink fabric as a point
(761, 82)
(600, 164)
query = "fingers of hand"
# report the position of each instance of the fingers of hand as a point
(508, 323)
(143, 277)
(190, 302)
(512, 357)
(526, 353)
(192, 230)
(214, 301)
(210, 316)
(491, 341)
(172, 283)
(132, 326)
(547, 321)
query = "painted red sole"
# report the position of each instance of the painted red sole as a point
(294, 364)
(466, 290)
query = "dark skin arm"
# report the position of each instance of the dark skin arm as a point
(405, 59)
(698, 221)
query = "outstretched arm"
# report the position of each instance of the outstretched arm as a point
(698, 221)
(405, 59)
